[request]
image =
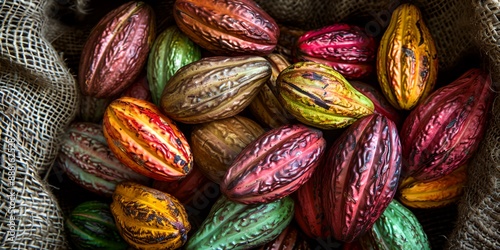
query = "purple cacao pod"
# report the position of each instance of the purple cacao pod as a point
(274, 165)
(444, 131)
(344, 47)
(360, 176)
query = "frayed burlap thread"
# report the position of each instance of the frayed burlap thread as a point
(37, 101)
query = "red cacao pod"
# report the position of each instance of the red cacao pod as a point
(227, 27)
(139, 89)
(116, 51)
(344, 47)
(360, 176)
(274, 165)
(145, 140)
(444, 131)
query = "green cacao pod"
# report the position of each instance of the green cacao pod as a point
(319, 96)
(232, 225)
(171, 51)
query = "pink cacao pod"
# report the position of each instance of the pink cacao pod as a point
(274, 165)
(360, 176)
(344, 47)
(444, 131)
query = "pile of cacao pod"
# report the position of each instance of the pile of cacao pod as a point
(332, 137)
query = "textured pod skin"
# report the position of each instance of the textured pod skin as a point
(139, 89)
(231, 225)
(319, 96)
(92, 109)
(214, 88)
(116, 50)
(171, 51)
(433, 194)
(444, 131)
(382, 106)
(274, 165)
(407, 63)
(227, 27)
(290, 238)
(146, 141)
(91, 226)
(216, 144)
(266, 106)
(149, 219)
(184, 189)
(344, 47)
(360, 176)
(89, 162)
(397, 228)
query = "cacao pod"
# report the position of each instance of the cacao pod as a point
(266, 106)
(116, 50)
(227, 27)
(171, 51)
(319, 96)
(433, 194)
(214, 88)
(139, 89)
(444, 131)
(290, 238)
(407, 63)
(149, 219)
(92, 109)
(360, 176)
(345, 47)
(146, 141)
(88, 161)
(215, 144)
(274, 165)
(397, 228)
(232, 225)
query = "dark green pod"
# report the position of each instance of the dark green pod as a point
(171, 50)
(396, 228)
(91, 226)
(232, 225)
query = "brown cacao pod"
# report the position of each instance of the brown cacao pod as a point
(92, 109)
(149, 219)
(87, 160)
(444, 131)
(433, 194)
(215, 144)
(319, 96)
(214, 88)
(147, 141)
(407, 63)
(290, 238)
(227, 27)
(116, 50)
(265, 106)
(274, 165)
(346, 48)
(360, 176)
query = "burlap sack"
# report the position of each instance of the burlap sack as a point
(38, 96)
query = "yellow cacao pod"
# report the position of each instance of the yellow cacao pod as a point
(148, 218)
(407, 63)
(433, 194)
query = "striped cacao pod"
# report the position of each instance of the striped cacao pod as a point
(215, 144)
(360, 176)
(214, 88)
(171, 51)
(116, 50)
(433, 194)
(88, 161)
(444, 131)
(227, 27)
(232, 225)
(149, 219)
(397, 228)
(145, 140)
(346, 48)
(319, 96)
(407, 63)
(274, 165)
